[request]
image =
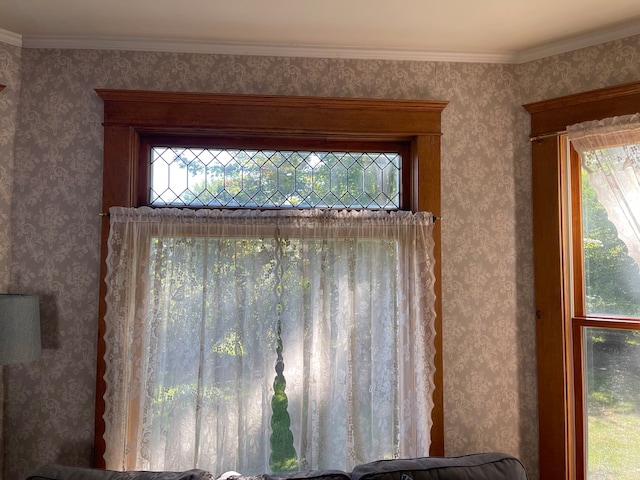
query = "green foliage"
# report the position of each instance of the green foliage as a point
(231, 344)
(613, 404)
(612, 287)
(612, 442)
(203, 283)
(256, 178)
(612, 278)
(283, 456)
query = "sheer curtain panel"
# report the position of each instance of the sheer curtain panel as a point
(267, 341)
(610, 152)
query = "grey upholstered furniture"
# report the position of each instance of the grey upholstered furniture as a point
(480, 466)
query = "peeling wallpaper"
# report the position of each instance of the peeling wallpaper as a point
(50, 194)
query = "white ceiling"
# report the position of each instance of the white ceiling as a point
(501, 31)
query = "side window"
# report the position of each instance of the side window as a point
(606, 307)
(586, 277)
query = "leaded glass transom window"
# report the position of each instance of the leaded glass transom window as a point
(274, 178)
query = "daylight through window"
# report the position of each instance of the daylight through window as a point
(274, 178)
(271, 282)
(268, 341)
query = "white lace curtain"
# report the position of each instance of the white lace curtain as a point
(202, 304)
(610, 152)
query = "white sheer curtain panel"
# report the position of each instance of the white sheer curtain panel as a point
(610, 152)
(267, 341)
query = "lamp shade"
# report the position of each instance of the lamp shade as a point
(19, 328)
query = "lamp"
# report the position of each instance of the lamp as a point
(19, 328)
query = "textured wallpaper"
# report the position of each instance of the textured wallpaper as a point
(9, 77)
(489, 327)
(9, 96)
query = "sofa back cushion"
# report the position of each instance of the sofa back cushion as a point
(302, 475)
(61, 472)
(480, 466)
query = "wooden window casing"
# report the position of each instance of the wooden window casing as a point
(554, 195)
(132, 116)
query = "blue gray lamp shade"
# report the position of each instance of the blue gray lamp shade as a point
(19, 328)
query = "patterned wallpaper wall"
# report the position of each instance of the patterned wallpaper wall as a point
(9, 77)
(489, 329)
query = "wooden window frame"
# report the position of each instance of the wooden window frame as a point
(130, 115)
(561, 439)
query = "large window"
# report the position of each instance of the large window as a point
(587, 283)
(268, 292)
(605, 172)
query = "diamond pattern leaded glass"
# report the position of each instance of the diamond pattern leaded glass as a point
(274, 178)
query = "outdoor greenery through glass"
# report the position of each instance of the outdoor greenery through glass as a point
(612, 356)
(274, 178)
(612, 277)
(241, 299)
(231, 178)
(612, 385)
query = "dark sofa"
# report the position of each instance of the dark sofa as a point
(480, 466)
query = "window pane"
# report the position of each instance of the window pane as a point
(269, 178)
(612, 387)
(612, 279)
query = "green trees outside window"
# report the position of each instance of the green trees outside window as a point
(270, 178)
(612, 356)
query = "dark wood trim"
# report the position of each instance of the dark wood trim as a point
(270, 101)
(425, 157)
(551, 306)
(579, 403)
(2, 87)
(605, 322)
(554, 115)
(263, 114)
(259, 142)
(576, 232)
(130, 115)
(579, 323)
(557, 408)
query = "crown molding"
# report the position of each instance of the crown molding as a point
(317, 51)
(581, 41)
(273, 49)
(11, 38)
